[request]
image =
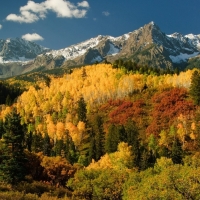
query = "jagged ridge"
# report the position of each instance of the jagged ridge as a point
(147, 45)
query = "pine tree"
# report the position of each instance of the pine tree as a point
(82, 110)
(70, 150)
(133, 140)
(92, 150)
(195, 87)
(177, 152)
(112, 139)
(98, 137)
(37, 142)
(12, 167)
(46, 145)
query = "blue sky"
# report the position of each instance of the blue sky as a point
(59, 23)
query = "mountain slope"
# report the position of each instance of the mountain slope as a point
(14, 50)
(147, 45)
(15, 53)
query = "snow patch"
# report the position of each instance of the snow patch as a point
(190, 36)
(113, 50)
(20, 59)
(182, 57)
(194, 39)
(1, 59)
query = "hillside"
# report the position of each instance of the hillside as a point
(101, 124)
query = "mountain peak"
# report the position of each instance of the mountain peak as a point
(152, 24)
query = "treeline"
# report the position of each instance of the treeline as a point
(142, 69)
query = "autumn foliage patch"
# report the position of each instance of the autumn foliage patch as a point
(167, 107)
(124, 110)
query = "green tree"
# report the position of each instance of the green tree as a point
(97, 139)
(70, 150)
(195, 87)
(12, 166)
(177, 152)
(112, 139)
(82, 110)
(37, 142)
(46, 145)
(132, 135)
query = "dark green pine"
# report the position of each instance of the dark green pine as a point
(12, 167)
(194, 89)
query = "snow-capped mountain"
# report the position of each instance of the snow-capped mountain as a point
(19, 50)
(147, 45)
(111, 46)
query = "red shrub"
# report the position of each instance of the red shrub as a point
(167, 107)
(126, 110)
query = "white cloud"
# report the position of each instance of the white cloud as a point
(33, 12)
(32, 37)
(1, 26)
(84, 4)
(106, 13)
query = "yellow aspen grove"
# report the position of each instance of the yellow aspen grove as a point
(73, 132)
(51, 129)
(60, 130)
(5, 111)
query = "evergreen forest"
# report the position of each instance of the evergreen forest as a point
(104, 131)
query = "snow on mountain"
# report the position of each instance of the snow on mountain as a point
(113, 50)
(76, 50)
(146, 44)
(194, 39)
(19, 50)
(182, 57)
(185, 47)
(177, 47)
(81, 48)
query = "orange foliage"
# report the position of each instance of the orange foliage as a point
(126, 110)
(167, 107)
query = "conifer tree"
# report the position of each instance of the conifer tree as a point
(12, 167)
(97, 139)
(82, 110)
(133, 140)
(37, 142)
(112, 139)
(177, 152)
(195, 87)
(92, 150)
(46, 145)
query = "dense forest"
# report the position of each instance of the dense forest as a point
(105, 131)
